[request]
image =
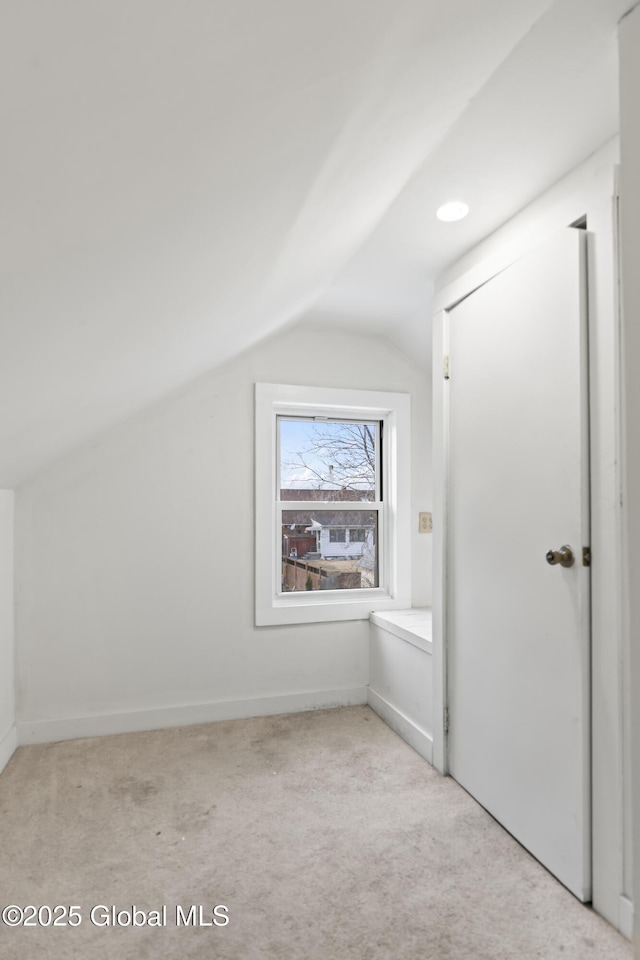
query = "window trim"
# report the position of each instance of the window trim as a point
(394, 559)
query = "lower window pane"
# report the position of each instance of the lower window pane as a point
(329, 550)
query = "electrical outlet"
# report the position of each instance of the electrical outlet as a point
(425, 524)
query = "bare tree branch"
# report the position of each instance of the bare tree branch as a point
(338, 455)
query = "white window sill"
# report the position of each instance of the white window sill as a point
(297, 609)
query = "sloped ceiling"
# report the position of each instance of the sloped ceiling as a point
(181, 178)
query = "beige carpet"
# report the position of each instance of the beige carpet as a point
(325, 836)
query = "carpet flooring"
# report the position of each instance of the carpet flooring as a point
(323, 835)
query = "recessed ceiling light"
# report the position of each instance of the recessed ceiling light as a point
(453, 210)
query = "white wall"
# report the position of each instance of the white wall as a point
(630, 250)
(590, 190)
(7, 673)
(134, 559)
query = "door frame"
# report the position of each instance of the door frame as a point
(591, 191)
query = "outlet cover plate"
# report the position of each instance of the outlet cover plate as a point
(425, 523)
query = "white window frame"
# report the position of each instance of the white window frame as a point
(394, 542)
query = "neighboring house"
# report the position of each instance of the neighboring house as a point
(326, 533)
(339, 540)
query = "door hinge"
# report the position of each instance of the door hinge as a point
(586, 556)
(447, 367)
(445, 719)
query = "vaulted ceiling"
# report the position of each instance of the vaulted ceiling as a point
(181, 178)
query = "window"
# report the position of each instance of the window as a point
(332, 503)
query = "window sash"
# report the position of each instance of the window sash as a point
(319, 507)
(379, 458)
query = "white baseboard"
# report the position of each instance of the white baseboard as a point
(8, 746)
(74, 728)
(410, 732)
(626, 917)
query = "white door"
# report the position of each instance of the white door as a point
(518, 626)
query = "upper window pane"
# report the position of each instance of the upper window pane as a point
(329, 460)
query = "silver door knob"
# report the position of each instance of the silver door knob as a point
(564, 556)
